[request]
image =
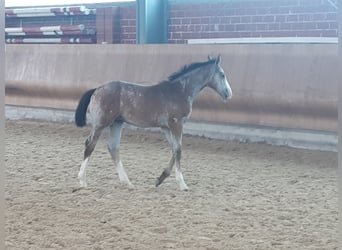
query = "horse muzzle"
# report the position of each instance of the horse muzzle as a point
(226, 95)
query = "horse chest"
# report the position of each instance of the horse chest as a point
(180, 110)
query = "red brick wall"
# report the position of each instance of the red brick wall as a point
(218, 19)
(264, 18)
(127, 29)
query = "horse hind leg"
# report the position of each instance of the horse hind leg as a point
(113, 148)
(89, 148)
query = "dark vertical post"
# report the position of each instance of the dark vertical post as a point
(105, 23)
(152, 21)
(2, 125)
(339, 22)
(100, 25)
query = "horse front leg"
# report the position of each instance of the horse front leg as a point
(178, 172)
(167, 171)
(174, 137)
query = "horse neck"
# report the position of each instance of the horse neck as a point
(196, 81)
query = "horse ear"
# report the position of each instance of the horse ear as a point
(210, 58)
(218, 60)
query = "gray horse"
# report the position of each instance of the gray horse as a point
(165, 105)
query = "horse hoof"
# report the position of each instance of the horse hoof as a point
(83, 184)
(76, 189)
(158, 182)
(184, 188)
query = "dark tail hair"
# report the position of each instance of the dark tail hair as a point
(81, 110)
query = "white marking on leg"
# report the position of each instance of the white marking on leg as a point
(123, 176)
(180, 179)
(82, 173)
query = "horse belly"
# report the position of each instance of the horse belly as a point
(143, 118)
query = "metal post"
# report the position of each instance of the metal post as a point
(151, 21)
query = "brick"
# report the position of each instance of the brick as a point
(100, 25)
(124, 22)
(322, 25)
(193, 35)
(250, 12)
(329, 33)
(310, 33)
(280, 18)
(255, 34)
(176, 35)
(186, 20)
(297, 26)
(192, 28)
(195, 6)
(229, 27)
(261, 26)
(305, 17)
(205, 27)
(172, 14)
(246, 19)
(225, 20)
(277, 34)
(195, 20)
(269, 19)
(240, 12)
(275, 10)
(240, 27)
(226, 34)
(178, 14)
(227, 12)
(292, 18)
(273, 26)
(257, 19)
(333, 25)
(251, 27)
(132, 22)
(331, 16)
(244, 34)
(310, 2)
(175, 21)
(263, 11)
(205, 20)
(128, 13)
(285, 26)
(128, 29)
(206, 35)
(251, 4)
(192, 13)
(310, 25)
(172, 28)
(285, 10)
(235, 19)
(319, 17)
(214, 20)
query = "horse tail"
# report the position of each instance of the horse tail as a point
(81, 110)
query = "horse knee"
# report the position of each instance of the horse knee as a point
(178, 154)
(112, 147)
(86, 143)
(89, 149)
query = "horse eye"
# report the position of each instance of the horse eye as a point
(221, 75)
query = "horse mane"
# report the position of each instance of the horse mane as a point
(187, 68)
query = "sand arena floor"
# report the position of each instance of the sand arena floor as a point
(242, 196)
